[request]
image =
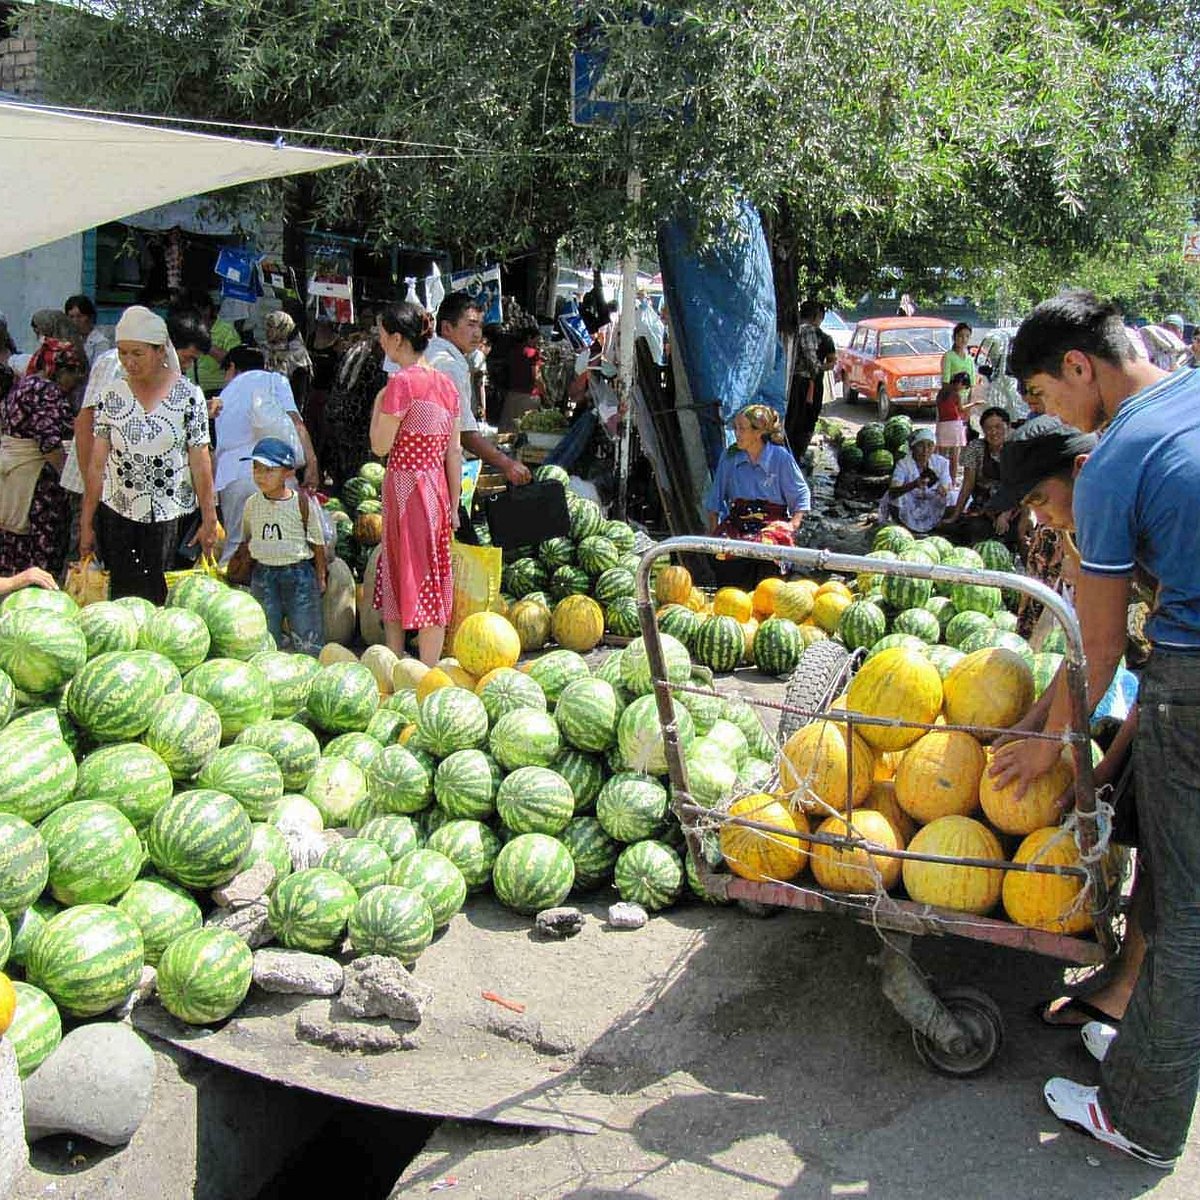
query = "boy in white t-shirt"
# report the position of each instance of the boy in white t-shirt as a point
(282, 528)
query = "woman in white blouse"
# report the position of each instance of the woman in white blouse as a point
(150, 464)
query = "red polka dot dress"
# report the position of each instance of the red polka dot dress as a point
(413, 585)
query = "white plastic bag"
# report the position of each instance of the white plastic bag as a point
(268, 417)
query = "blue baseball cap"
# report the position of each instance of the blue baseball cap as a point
(272, 452)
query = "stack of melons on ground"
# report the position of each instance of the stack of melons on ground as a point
(877, 446)
(152, 754)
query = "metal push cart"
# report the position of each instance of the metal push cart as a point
(957, 1030)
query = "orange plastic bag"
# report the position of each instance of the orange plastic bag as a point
(86, 581)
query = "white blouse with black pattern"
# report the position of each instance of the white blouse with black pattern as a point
(148, 477)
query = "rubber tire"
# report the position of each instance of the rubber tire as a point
(849, 394)
(883, 403)
(981, 1015)
(819, 669)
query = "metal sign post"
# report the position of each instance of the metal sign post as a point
(627, 360)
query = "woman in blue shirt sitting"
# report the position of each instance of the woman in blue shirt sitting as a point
(758, 493)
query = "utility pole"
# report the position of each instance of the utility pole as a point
(627, 361)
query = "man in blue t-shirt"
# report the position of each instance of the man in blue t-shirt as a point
(1133, 507)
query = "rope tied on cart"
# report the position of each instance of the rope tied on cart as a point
(1102, 817)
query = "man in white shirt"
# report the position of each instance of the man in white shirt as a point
(236, 437)
(82, 314)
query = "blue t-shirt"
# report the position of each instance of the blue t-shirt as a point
(1134, 503)
(775, 477)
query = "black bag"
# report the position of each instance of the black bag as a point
(528, 515)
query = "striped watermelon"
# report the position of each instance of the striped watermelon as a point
(631, 807)
(163, 911)
(507, 690)
(535, 800)
(199, 838)
(778, 646)
(452, 719)
(108, 626)
(39, 772)
(385, 726)
(1055, 640)
(428, 820)
(892, 537)
(862, 624)
(1006, 640)
(900, 592)
(36, 1028)
(193, 591)
(650, 874)
(471, 846)
(95, 852)
(525, 738)
(868, 581)
(892, 640)
(41, 600)
(184, 731)
(360, 748)
(250, 775)
(996, 555)
(621, 617)
(1006, 621)
(635, 666)
(615, 583)
(586, 517)
(640, 737)
(921, 552)
(943, 608)
(267, 844)
(919, 623)
(404, 703)
(680, 623)
(597, 554)
(620, 534)
(973, 597)
(6, 939)
(746, 718)
(139, 606)
(556, 552)
(168, 674)
(360, 814)
(290, 677)
(720, 643)
(398, 782)
(944, 658)
(705, 707)
(584, 774)
(532, 872)
(359, 861)
(87, 959)
(1045, 667)
(465, 785)
(292, 745)
(129, 776)
(40, 650)
(592, 851)
(729, 740)
(296, 812)
(712, 773)
(236, 624)
(343, 697)
(523, 576)
(308, 910)
(176, 634)
(27, 926)
(391, 920)
(336, 786)
(435, 878)
(204, 975)
(395, 834)
(24, 865)
(552, 672)
(239, 692)
(587, 713)
(551, 471)
(114, 695)
(964, 624)
(8, 699)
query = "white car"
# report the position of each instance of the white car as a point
(837, 329)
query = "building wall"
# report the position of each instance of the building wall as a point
(41, 278)
(18, 67)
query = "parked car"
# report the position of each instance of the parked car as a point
(895, 362)
(991, 358)
(837, 329)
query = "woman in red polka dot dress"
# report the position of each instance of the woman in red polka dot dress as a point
(415, 423)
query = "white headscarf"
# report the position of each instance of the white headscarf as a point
(139, 324)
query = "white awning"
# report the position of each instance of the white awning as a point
(64, 173)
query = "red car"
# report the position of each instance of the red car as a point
(896, 362)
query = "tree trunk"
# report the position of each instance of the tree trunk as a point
(297, 220)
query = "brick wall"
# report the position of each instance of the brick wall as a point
(18, 67)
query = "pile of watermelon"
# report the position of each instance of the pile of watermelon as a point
(877, 446)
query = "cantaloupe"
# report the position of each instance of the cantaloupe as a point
(814, 764)
(882, 798)
(990, 688)
(898, 683)
(577, 623)
(760, 856)
(938, 776)
(1035, 810)
(945, 885)
(1049, 902)
(857, 870)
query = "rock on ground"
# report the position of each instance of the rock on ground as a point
(559, 922)
(304, 845)
(246, 886)
(97, 1084)
(627, 916)
(297, 972)
(378, 986)
(14, 1153)
(353, 1037)
(139, 995)
(249, 923)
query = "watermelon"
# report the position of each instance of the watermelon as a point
(648, 873)
(359, 861)
(343, 697)
(465, 785)
(204, 975)
(398, 782)
(177, 634)
(705, 707)
(141, 608)
(405, 704)
(1055, 640)
(635, 665)
(360, 748)
(896, 431)
(169, 678)
(290, 677)
(879, 462)
(597, 555)
(871, 437)
(631, 807)
(36, 1028)
(394, 921)
(711, 773)
(759, 741)
(113, 696)
(41, 600)
(199, 838)
(39, 649)
(471, 846)
(384, 726)
(450, 719)
(296, 812)
(892, 640)
(587, 713)
(974, 597)
(640, 737)
(24, 865)
(396, 835)
(964, 624)
(435, 878)
(428, 820)
(87, 959)
(862, 624)
(535, 800)
(360, 814)
(292, 745)
(676, 621)
(525, 738)
(894, 538)
(552, 672)
(39, 772)
(1045, 667)
(944, 658)
(920, 623)
(248, 774)
(129, 776)
(556, 552)
(614, 583)
(236, 624)
(94, 852)
(610, 671)
(942, 607)
(239, 692)
(532, 872)
(27, 926)
(267, 844)
(308, 910)
(184, 731)
(163, 911)
(620, 535)
(193, 590)
(524, 576)
(621, 618)
(550, 471)
(584, 774)
(720, 643)
(777, 647)
(592, 851)
(901, 592)
(506, 690)
(107, 627)
(336, 786)
(996, 555)
(1006, 621)
(1005, 640)
(586, 517)
(850, 458)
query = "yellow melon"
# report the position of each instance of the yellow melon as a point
(898, 683)
(812, 633)
(485, 641)
(793, 600)
(886, 762)
(501, 605)
(531, 620)
(763, 600)
(433, 679)
(577, 623)
(8, 1003)
(828, 607)
(938, 776)
(407, 673)
(857, 870)
(673, 585)
(733, 602)
(814, 767)
(405, 733)
(382, 663)
(1046, 902)
(990, 688)
(945, 885)
(697, 601)
(749, 629)
(332, 653)
(461, 678)
(882, 798)
(835, 586)
(757, 855)
(1036, 809)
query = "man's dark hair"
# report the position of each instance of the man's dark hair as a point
(187, 330)
(454, 307)
(810, 309)
(246, 358)
(995, 412)
(1073, 320)
(960, 326)
(84, 304)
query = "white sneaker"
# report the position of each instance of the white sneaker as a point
(1097, 1037)
(1080, 1106)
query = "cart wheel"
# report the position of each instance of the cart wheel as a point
(820, 669)
(979, 1015)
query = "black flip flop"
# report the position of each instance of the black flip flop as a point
(1081, 1006)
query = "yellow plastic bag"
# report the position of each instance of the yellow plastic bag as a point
(205, 565)
(476, 571)
(86, 581)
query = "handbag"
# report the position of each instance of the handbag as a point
(86, 582)
(529, 514)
